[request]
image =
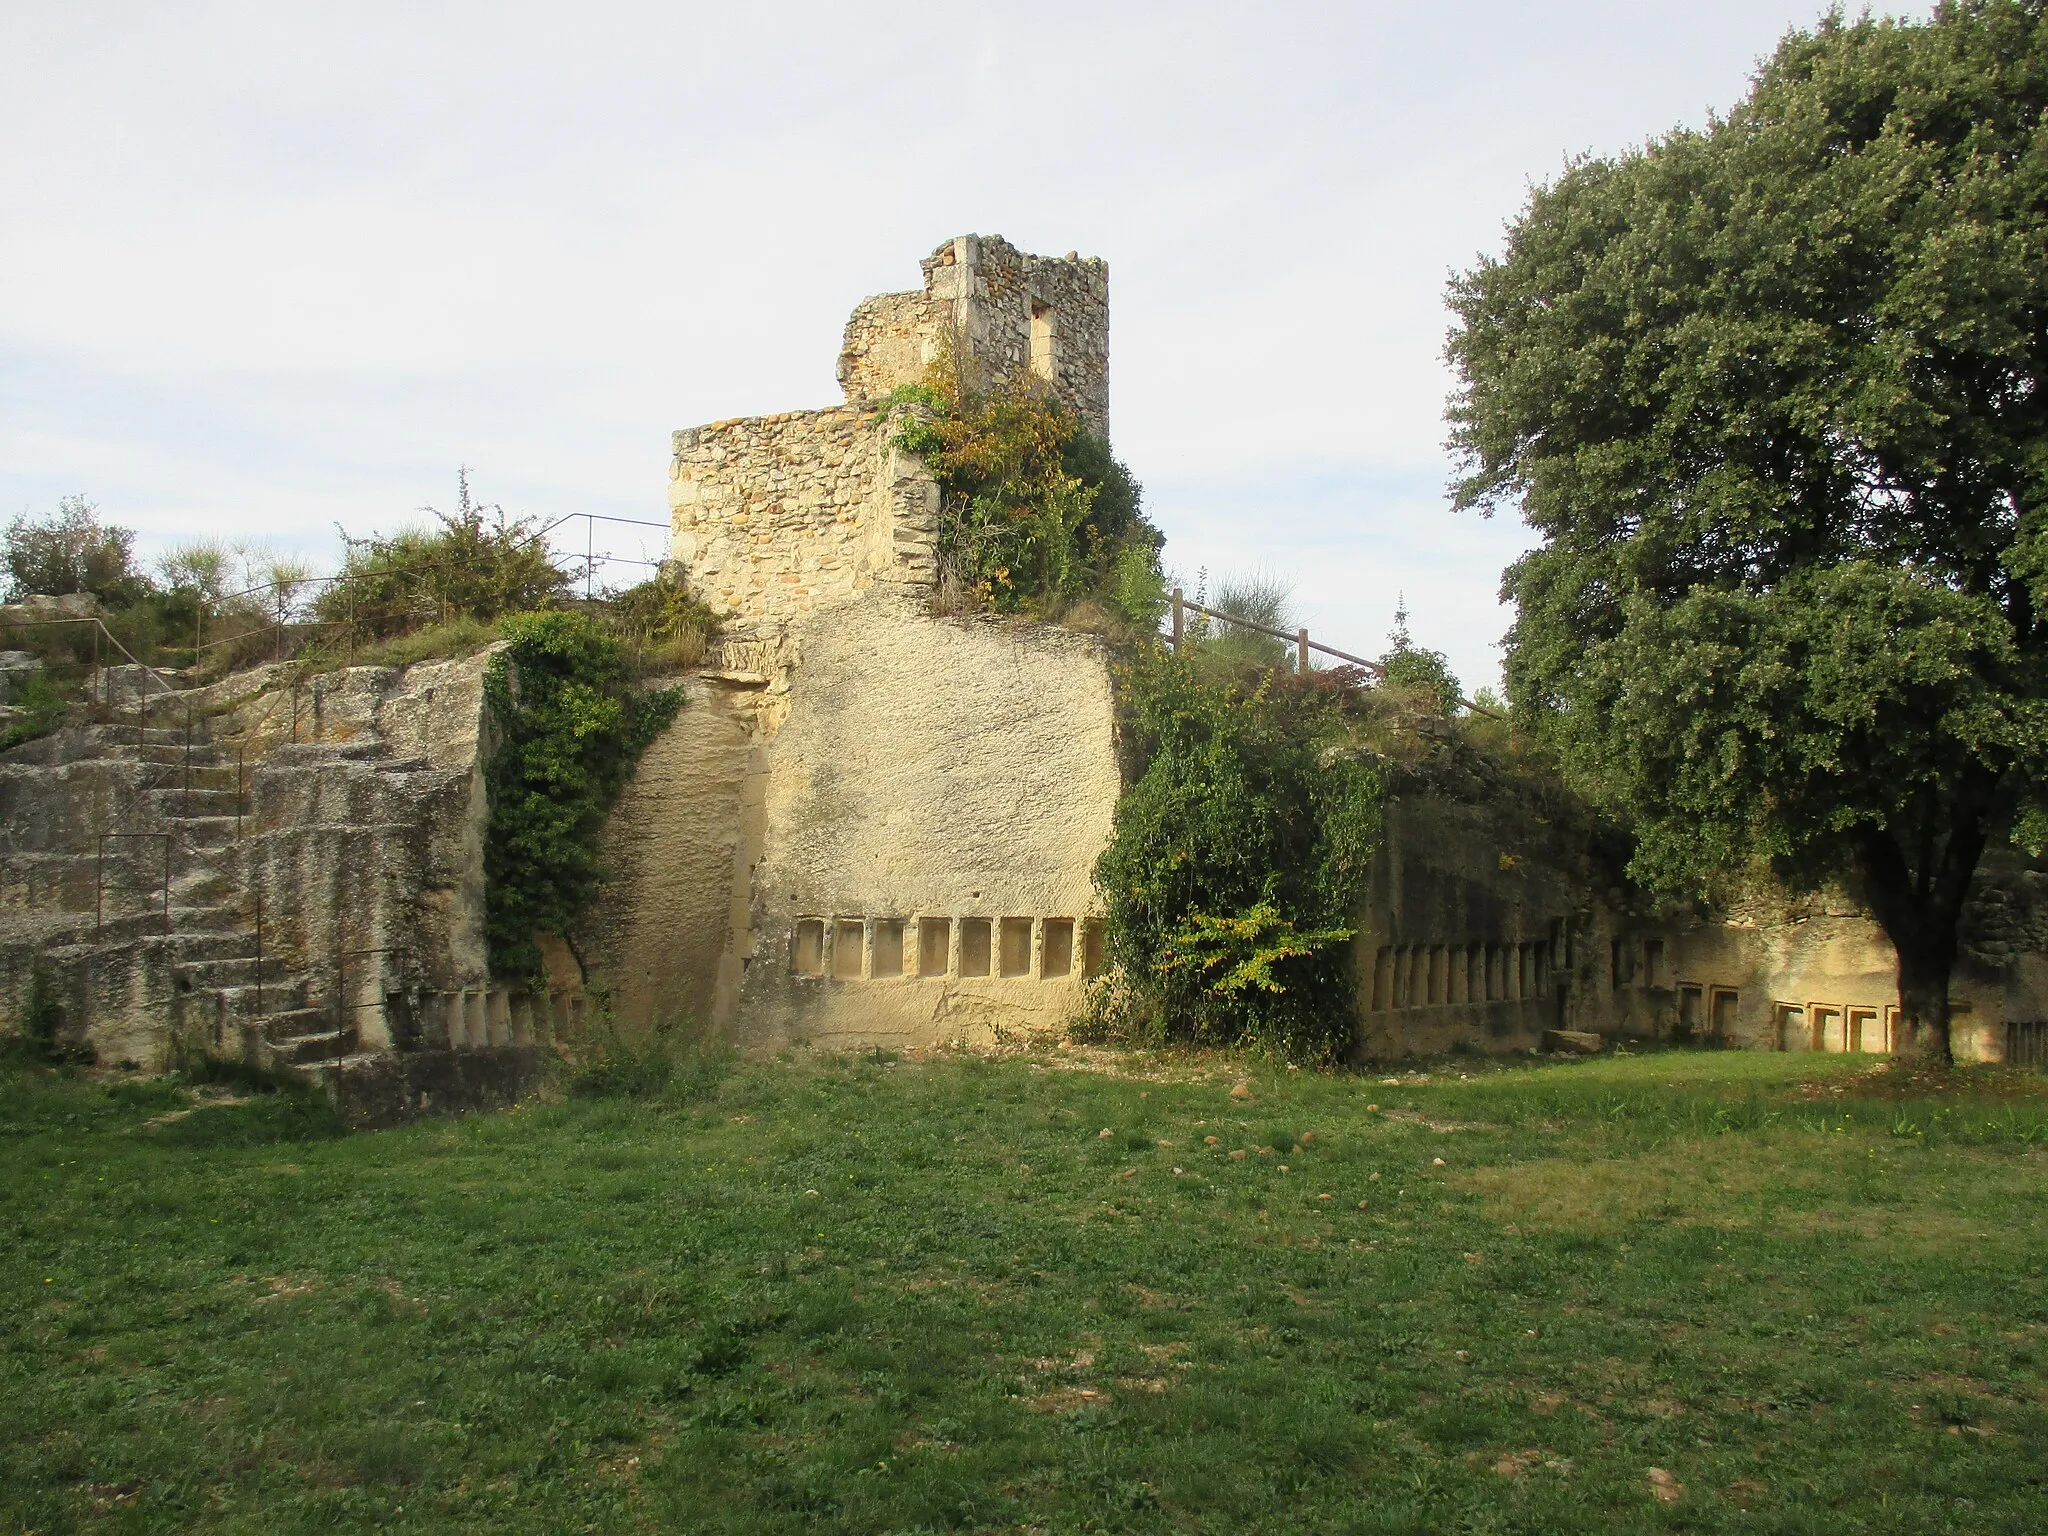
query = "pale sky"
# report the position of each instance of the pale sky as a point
(269, 268)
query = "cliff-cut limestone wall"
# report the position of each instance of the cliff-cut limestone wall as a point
(1489, 921)
(899, 853)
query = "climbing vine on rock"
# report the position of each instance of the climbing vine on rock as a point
(570, 727)
(1036, 513)
(1238, 858)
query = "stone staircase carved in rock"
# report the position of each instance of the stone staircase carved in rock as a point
(310, 907)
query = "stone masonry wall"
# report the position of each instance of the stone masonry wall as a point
(777, 515)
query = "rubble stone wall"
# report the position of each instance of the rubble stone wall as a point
(775, 516)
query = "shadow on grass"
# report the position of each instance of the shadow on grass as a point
(265, 1109)
(669, 1063)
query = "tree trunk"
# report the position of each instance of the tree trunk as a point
(1923, 1001)
(1917, 892)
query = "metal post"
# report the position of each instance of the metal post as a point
(259, 951)
(1178, 621)
(188, 759)
(167, 885)
(589, 556)
(1301, 651)
(240, 749)
(99, 888)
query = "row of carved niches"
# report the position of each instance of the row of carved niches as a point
(1436, 975)
(936, 948)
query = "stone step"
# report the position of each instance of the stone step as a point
(328, 1046)
(282, 1024)
(322, 1072)
(180, 804)
(131, 926)
(206, 887)
(194, 946)
(125, 737)
(311, 756)
(154, 746)
(203, 775)
(216, 973)
(278, 997)
(206, 833)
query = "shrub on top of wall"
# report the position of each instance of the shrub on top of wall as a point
(1035, 515)
(570, 727)
(1238, 856)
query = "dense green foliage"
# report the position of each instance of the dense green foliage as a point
(569, 726)
(1238, 856)
(1423, 675)
(70, 552)
(43, 707)
(1254, 597)
(664, 619)
(1036, 513)
(469, 566)
(863, 1297)
(41, 1021)
(1775, 395)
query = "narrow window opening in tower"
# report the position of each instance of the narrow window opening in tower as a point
(1042, 357)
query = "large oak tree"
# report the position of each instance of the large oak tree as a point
(1773, 395)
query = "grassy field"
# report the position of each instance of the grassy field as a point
(1668, 1292)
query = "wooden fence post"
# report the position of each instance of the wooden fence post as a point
(1301, 651)
(1177, 618)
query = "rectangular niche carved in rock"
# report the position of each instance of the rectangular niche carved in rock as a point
(1721, 1012)
(1056, 950)
(974, 946)
(934, 936)
(807, 948)
(1789, 1025)
(1016, 946)
(887, 948)
(848, 934)
(1091, 947)
(1826, 1024)
(1691, 1010)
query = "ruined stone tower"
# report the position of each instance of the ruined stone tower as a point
(871, 823)
(1003, 313)
(776, 515)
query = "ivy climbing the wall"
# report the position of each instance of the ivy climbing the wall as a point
(1239, 856)
(570, 727)
(1036, 515)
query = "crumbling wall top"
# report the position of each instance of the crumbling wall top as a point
(1004, 315)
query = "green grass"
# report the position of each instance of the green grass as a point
(890, 1296)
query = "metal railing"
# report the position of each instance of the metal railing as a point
(1300, 640)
